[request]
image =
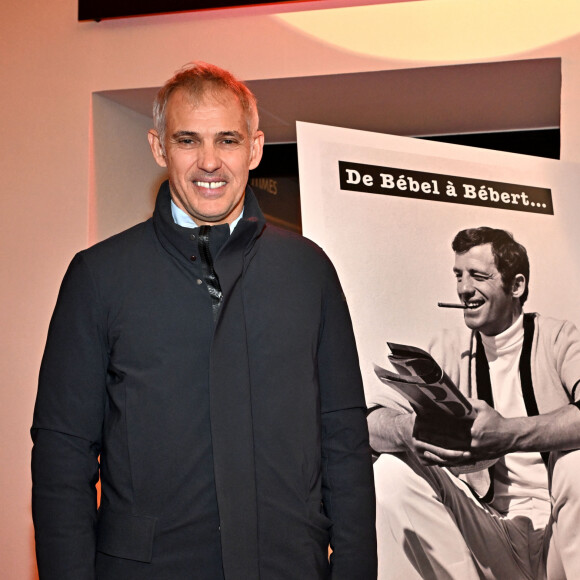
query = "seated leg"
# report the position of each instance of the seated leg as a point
(563, 560)
(417, 535)
(430, 526)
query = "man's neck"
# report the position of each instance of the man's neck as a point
(513, 334)
(184, 220)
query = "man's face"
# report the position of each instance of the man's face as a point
(490, 308)
(208, 153)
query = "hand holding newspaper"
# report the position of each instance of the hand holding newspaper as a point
(444, 415)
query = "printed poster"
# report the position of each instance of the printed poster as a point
(386, 208)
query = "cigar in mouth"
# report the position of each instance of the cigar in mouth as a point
(451, 305)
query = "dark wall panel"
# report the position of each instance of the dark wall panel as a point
(101, 9)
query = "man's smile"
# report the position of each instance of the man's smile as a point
(209, 184)
(474, 303)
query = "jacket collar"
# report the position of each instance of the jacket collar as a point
(177, 240)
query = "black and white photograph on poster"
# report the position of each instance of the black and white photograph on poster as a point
(460, 267)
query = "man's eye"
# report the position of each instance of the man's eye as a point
(184, 142)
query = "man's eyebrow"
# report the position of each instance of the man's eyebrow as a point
(232, 133)
(179, 134)
(219, 134)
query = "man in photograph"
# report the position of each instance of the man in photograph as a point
(202, 365)
(509, 506)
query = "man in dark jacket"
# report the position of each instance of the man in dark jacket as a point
(203, 364)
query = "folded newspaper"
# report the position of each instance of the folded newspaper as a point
(444, 415)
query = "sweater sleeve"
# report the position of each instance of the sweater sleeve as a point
(567, 352)
(66, 432)
(347, 476)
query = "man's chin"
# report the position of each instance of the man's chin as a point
(471, 321)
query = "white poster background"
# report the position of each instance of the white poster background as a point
(393, 255)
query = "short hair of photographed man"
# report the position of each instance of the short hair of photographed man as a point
(511, 258)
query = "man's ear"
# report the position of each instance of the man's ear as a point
(256, 149)
(519, 285)
(157, 148)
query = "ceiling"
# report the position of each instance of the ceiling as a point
(456, 99)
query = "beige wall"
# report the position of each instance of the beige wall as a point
(51, 65)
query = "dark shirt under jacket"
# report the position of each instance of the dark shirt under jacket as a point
(232, 441)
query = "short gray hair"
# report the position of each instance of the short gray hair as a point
(197, 79)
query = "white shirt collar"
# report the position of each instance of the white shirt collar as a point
(510, 336)
(184, 220)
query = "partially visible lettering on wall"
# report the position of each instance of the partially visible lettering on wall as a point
(266, 184)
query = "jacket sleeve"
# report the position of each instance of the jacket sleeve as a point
(66, 432)
(347, 475)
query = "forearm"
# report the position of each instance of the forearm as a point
(348, 494)
(493, 436)
(64, 472)
(390, 431)
(558, 430)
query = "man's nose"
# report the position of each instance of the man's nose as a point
(465, 287)
(209, 159)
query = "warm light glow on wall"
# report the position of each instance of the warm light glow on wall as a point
(442, 30)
